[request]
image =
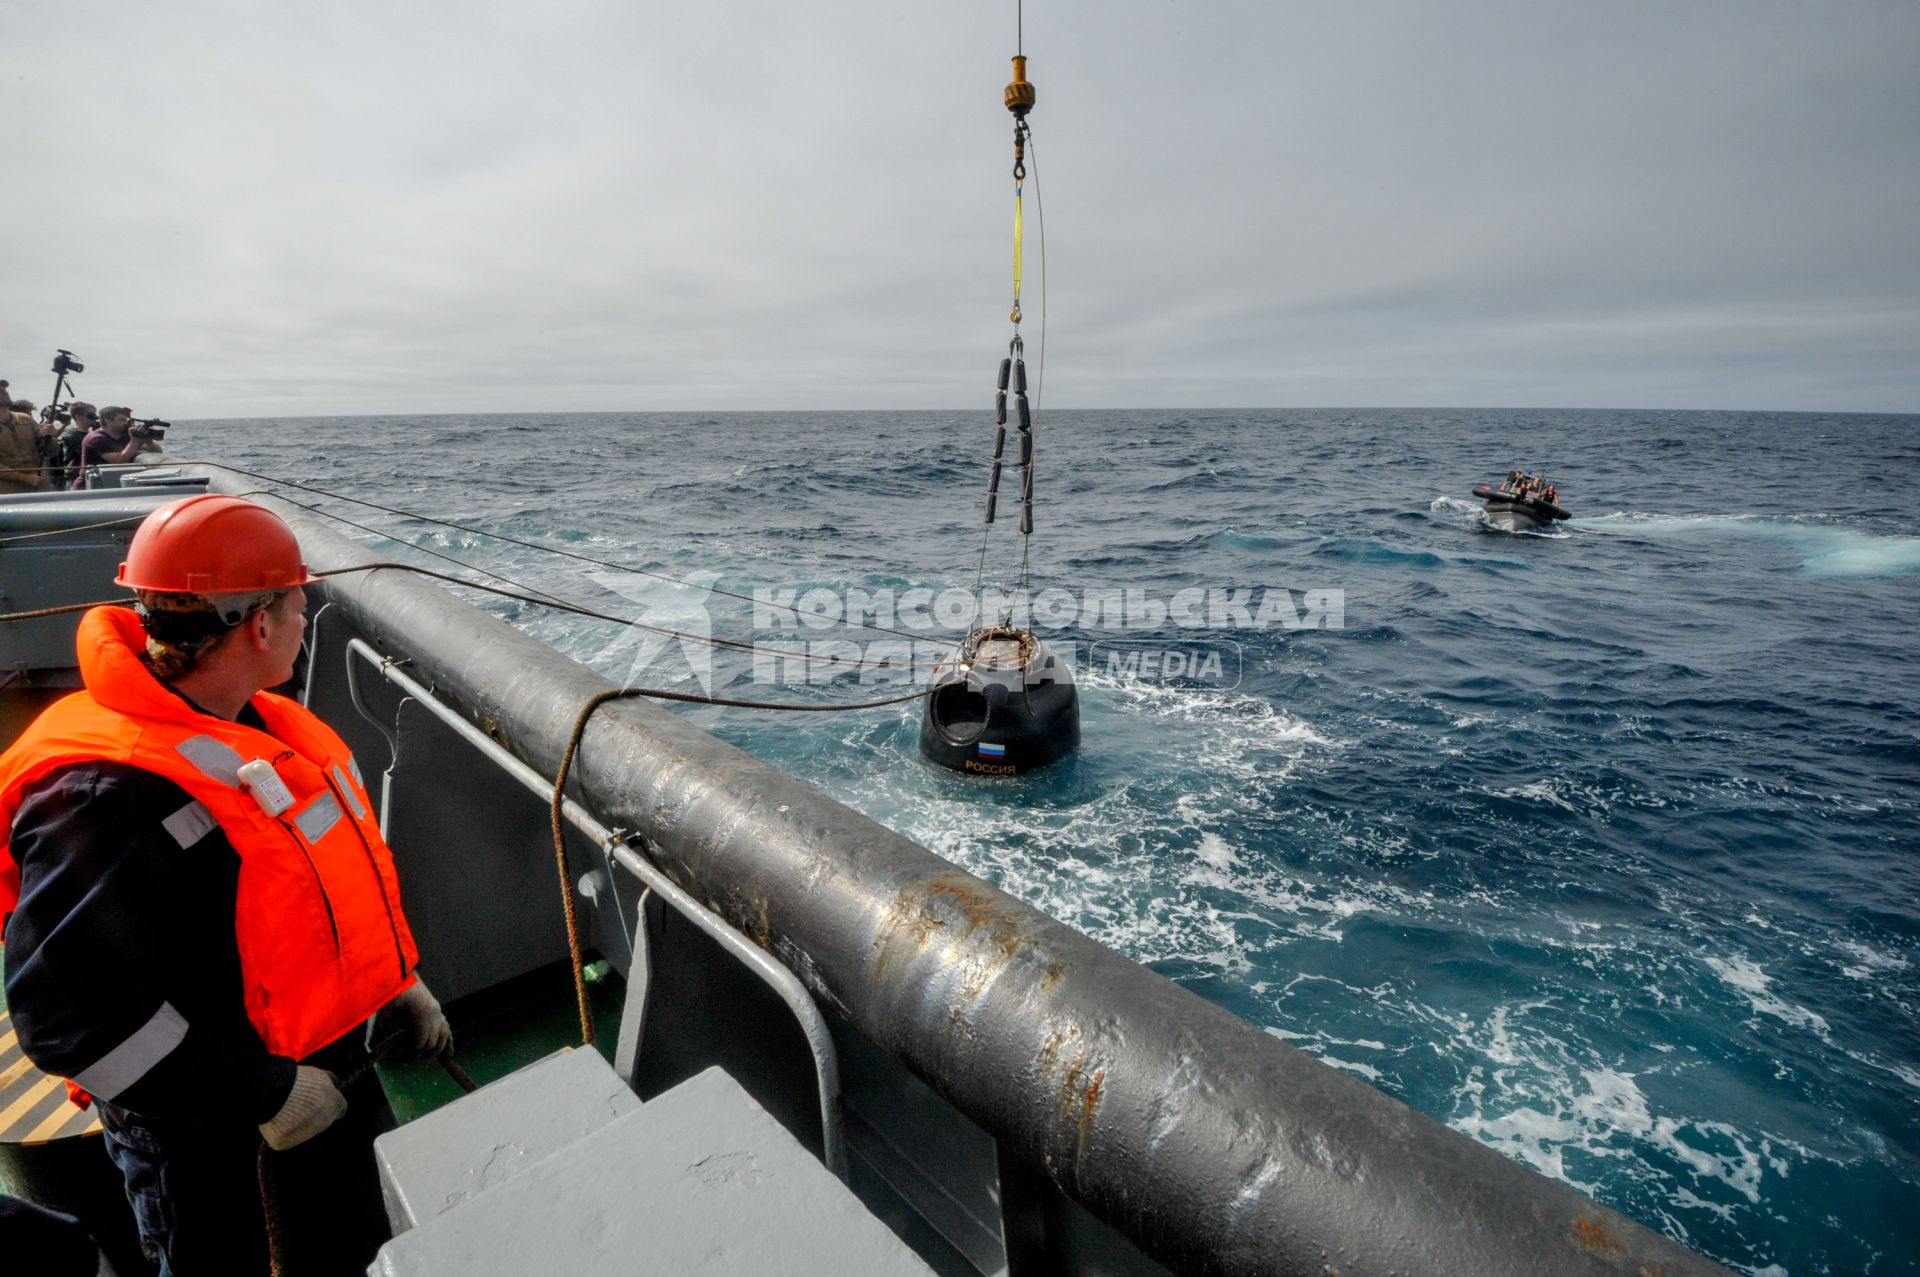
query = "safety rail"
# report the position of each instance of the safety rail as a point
(784, 984)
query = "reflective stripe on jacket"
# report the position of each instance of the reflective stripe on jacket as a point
(322, 939)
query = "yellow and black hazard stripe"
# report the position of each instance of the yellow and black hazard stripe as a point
(34, 1108)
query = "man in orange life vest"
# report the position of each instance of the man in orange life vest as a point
(203, 915)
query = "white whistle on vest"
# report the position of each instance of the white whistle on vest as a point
(265, 785)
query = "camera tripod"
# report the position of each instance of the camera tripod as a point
(63, 363)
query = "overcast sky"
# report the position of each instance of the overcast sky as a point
(243, 208)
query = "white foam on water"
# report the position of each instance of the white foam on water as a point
(1650, 521)
(1096, 866)
(1597, 1120)
(1254, 720)
(1213, 851)
(1500, 1045)
(1571, 795)
(1745, 975)
(1906, 1073)
(1822, 549)
(1530, 1137)
(1741, 1170)
(1454, 510)
(1366, 1071)
(1685, 1198)
(1321, 910)
(1542, 791)
(1868, 962)
(1539, 1101)
(1316, 1044)
(1835, 553)
(1322, 1039)
(1158, 874)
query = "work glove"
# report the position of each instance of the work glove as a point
(417, 1013)
(314, 1104)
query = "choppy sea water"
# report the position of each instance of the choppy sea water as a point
(1599, 846)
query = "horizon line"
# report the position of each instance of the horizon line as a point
(973, 408)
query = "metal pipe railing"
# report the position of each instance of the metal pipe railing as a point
(785, 985)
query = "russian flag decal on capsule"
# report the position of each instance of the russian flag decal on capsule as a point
(992, 751)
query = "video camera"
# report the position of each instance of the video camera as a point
(147, 427)
(63, 363)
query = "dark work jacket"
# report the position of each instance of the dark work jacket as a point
(115, 918)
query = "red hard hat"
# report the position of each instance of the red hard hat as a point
(213, 544)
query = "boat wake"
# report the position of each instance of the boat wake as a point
(1822, 546)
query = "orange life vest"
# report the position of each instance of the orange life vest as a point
(323, 943)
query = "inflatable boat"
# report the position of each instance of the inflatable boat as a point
(1508, 509)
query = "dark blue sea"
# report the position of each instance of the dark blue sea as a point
(1601, 846)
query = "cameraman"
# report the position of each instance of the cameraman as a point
(113, 443)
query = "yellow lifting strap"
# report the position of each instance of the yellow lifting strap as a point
(1019, 99)
(1017, 224)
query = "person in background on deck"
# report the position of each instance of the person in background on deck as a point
(47, 431)
(83, 420)
(113, 443)
(20, 449)
(200, 913)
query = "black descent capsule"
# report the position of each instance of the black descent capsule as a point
(1008, 706)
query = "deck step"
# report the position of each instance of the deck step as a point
(698, 1180)
(482, 1140)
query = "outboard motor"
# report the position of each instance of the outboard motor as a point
(1008, 706)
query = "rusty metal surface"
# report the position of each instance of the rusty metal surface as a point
(1214, 1146)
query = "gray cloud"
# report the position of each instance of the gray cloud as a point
(233, 209)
